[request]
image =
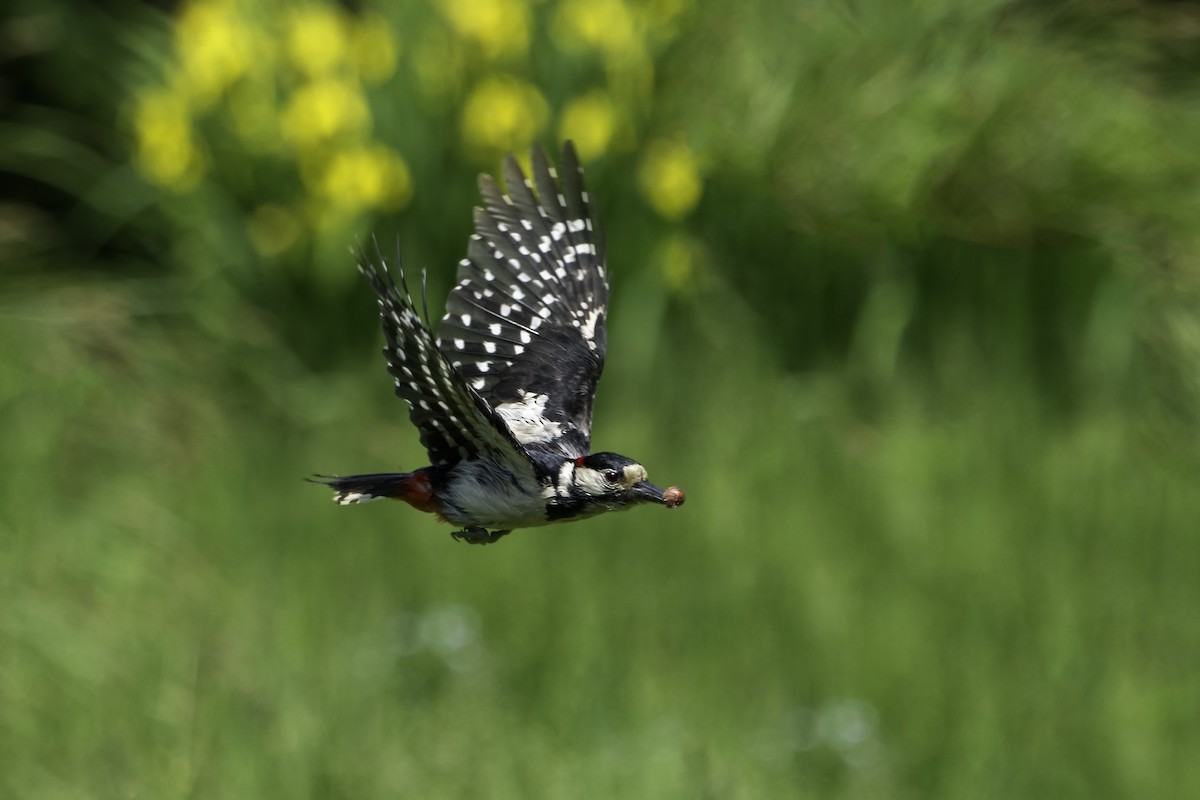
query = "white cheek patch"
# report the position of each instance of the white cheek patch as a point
(592, 481)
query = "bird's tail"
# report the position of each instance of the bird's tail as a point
(412, 487)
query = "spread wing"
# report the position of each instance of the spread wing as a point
(455, 422)
(524, 325)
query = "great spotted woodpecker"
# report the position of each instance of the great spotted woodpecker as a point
(503, 397)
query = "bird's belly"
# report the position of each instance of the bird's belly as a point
(485, 495)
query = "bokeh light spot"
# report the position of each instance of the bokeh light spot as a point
(316, 39)
(324, 109)
(589, 121)
(670, 178)
(502, 114)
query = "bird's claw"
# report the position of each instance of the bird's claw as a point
(478, 535)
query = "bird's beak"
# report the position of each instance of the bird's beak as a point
(648, 492)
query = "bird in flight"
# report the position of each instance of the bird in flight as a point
(503, 396)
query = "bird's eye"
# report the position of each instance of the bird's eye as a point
(612, 476)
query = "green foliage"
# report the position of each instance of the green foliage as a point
(904, 297)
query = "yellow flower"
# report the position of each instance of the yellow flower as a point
(502, 114)
(603, 25)
(373, 49)
(322, 110)
(316, 39)
(166, 151)
(368, 176)
(215, 49)
(500, 27)
(589, 121)
(670, 178)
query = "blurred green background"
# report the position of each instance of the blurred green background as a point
(905, 294)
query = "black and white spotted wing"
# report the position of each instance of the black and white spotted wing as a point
(455, 422)
(525, 323)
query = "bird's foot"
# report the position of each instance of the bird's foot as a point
(478, 535)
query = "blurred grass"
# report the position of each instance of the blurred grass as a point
(927, 605)
(905, 301)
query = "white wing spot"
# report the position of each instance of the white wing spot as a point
(466, 320)
(517, 293)
(589, 328)
(575, 225)
(459, 344)
(525, 337)
(483, 366)
(505, 309)
(495, 329)
(476, 384)
(489, 346)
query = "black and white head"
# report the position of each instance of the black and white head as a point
(601, 482)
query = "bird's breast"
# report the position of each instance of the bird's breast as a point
(484, 494)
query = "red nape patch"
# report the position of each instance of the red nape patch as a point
(579, 461)
(416, 490)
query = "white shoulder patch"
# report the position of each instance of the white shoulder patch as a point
(526, 419)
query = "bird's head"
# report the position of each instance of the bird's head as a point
(611, 482)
